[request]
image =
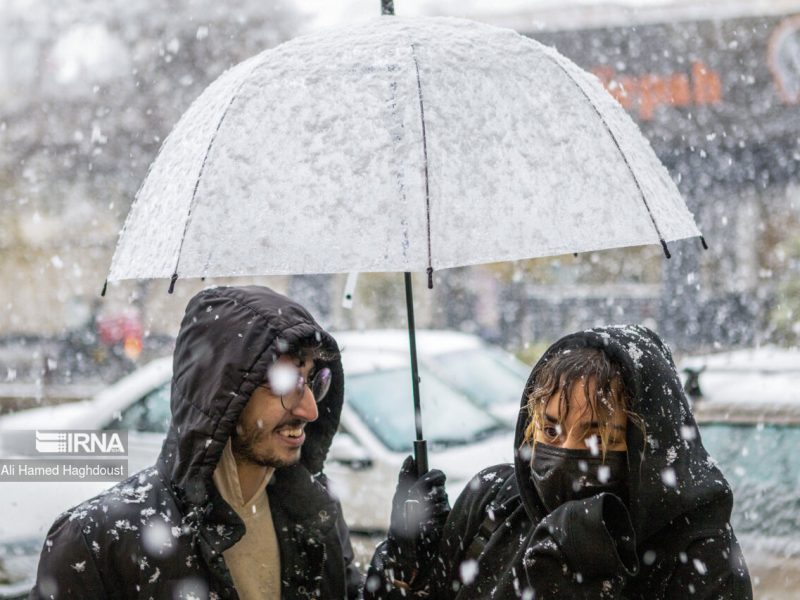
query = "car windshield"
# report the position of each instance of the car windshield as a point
(486, 376)
(149, 414)
(760, 462)
(383, 399)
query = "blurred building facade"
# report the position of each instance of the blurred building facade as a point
(716, 89)
(90, 88)
(88, 91)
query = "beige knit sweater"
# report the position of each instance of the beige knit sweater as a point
(254, 561)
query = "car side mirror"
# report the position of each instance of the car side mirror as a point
(692, 385)
(347, 451)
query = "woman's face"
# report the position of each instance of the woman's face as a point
(577, 430)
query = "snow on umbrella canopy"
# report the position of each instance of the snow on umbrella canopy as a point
(397, 145)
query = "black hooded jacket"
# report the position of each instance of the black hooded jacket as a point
(161, 533)
(674, 540)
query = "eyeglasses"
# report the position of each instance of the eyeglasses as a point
(286, 382)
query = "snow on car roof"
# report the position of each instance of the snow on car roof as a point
(764, 359)
(752, 387)
(756, 384)
(360, 360)
(430, 342)
(84, 413)
(45, 416)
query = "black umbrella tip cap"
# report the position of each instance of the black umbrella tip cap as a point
(387, 7)
(430, 278)
(105, 287)
(172, 283)
(666, 250)
(703, 242)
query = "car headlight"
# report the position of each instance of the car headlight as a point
(18, 562)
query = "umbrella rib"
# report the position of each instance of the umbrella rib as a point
(425, 157)
(197, 182)
(624, 156)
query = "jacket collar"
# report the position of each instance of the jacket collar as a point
(304, 516)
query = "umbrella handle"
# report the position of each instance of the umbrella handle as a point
(420, 448)
(421, 456)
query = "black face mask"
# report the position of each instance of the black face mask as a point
(560, 475)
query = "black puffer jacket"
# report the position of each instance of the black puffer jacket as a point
(675, 542)
(161, 533)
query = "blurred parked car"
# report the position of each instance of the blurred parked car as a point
(747, 405)
(491, 378)
(376, 434)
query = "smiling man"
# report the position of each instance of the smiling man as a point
(237, 505)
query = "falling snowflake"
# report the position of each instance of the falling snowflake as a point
(669, 478)
(593, 443)
(468, 571)
(699, 566)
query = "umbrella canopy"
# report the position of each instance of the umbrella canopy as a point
(398, 145)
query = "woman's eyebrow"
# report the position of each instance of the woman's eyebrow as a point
(585, 425)
(596, 425)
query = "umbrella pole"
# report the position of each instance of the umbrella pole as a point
(420, 447)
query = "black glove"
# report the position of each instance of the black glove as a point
(419, 511)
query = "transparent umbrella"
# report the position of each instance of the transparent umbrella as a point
(397, 145)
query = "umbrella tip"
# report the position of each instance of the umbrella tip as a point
(666, 250)
(430, 278)
(387, 7)
(172, 283)
(703, 242)
(105, 287)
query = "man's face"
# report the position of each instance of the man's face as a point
(267, 433)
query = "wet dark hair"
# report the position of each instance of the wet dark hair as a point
(579, 366)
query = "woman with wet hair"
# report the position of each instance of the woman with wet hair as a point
(576, 432)
(611, 495)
